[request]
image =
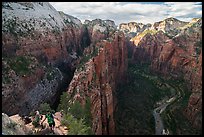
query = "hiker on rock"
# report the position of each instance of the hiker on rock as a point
(36, 121)
(50, 120)
(61, 114)
(27, 120)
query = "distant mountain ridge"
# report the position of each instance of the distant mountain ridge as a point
(42, 48)
(169, 25)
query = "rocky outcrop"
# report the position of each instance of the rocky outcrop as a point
(179, 57)
(131, 29)
(140, 36)
(43, 38)
(49, 36)
(24, 93)
(169, 25)
(100, 29)
(11, 127)
(16, 125)
(36, 39)
(38, 43)
(98, 79)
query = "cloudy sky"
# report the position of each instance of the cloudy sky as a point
(123, 12)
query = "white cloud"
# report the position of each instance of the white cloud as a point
(134, 11)
(199, 13)
(184, 9)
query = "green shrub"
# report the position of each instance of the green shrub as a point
(82, 112)
(78, 127)
(86, 58)
(67, 119)
(64, 102)
(20, 65)
(51, 73)
(35, 123)
(74, 113)
(76, 110)
(95, 51)
(44, 108)
(83, 61)
(87, 112)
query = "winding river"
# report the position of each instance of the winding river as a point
(159, 126)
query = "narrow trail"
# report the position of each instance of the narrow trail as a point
(58, 130)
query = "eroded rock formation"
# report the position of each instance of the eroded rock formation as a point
(98, 79)
(39, 44)
(36, 40)
(11, 127)
(180, 57)
(132, 28)
(53, 39)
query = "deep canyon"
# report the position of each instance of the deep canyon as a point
(126, 72)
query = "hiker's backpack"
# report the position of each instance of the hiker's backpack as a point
(50, 118)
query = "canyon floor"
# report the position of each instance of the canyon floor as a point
(144, 92)
(107, 77)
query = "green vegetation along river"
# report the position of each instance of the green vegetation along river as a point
(144, 92)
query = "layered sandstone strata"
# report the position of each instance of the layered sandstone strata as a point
(177, 57)
(98, 79)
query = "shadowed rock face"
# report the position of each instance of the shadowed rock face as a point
(49, 39)
(46, 39)
(26, 93)
(99, 29)
(177, 57)
(98, 80)
(53, 39)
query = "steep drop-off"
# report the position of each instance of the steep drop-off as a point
(40, 47)
(46, 52)
(97, 79)
(177, 57)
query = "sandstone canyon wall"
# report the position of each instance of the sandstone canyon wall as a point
(36, 41)
(40, 44)
(177, 57)
(98, 79)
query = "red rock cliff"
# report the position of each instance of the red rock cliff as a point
(49, 38)
(177, 57)
(98, 80)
